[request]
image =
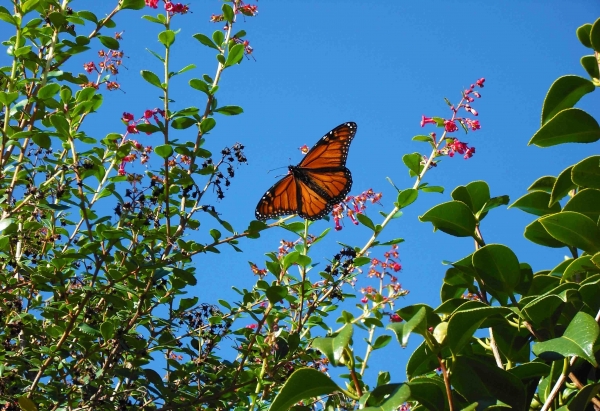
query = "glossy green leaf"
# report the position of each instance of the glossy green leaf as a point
(200, 85)
(218, 37)
(391, 396)
(48, 91)
(586, 173)
(544, 183)
(595, 36)
(407, 197)
(132, 4)
(536, 233)
(235, 55)
(585, 395)
(574, 229)
(333, 347)
(462, 325)
(207, 124)
(164, 151)
(381, 341)
(479, 380)
(498, 267)
(276, 293)
(364, 220)
(568, 126)
(432, 189)
(205, 40)
(61, 124)
(151, 78)
(474, 195)
(421, 362)
(107, 329)
(562, 185)
(303, 384)
(542, 309)
(181, 123)
(227, 12)
(413, 162)
(454, 218)
(564, 93)
(492, 203)
(536, 203)
(585, 202)
(579, 268)
(590, 64)
(229, 110)
(577, 340)
(109, 42)
(167, 37)
(404, 329)
(583, 34)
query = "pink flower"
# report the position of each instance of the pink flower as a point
(152, 3)
(450, 126)
(426, 120)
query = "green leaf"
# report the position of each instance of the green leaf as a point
(569, 126)
(432, 189)
(42, 140)
(333, 347)
(227, 12)
(413, 162)
(218, 37)
(164, 151)
(215, 234)
(167, 38)
(235, 55)
(229, 110)
(463, 324)
(200, 85)
(381, 341)
(564, 93)
(577, 340)
(574, 229)
(276, 293)
(107, 329)
(7, 98)
(583, 397)
(303, 384)
(151, 78)
(388, 397)
(536, 203)
(544, 183)
(181, 123)
(205, 40)
(403, 330)
(422, 361)
(48, 91)
(498, 267)
(109, 42)
(483, 381)
(474, 195)
(536, 233)
(407, 197)
(61, 124)
(207, 124)
(26, 404)
(133, 4)
(453, 217)
(364, 220)
(586, 202)
(590, 64)
(583, 34)
(186, 68)
(595, 36)
(586, 173)
(360, 261)
(562, 185)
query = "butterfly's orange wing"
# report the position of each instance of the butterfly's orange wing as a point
(314, 186)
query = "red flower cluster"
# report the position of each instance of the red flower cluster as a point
(173, 8)
(353, 205)
(453, 145)
(138, 150)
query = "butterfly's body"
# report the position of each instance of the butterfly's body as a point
(314, 186)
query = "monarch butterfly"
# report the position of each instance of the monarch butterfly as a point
(320, 181)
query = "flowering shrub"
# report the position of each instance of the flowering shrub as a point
(94, 304)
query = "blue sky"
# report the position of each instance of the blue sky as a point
(381, 65)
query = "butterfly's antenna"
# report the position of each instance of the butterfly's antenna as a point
(273, 169)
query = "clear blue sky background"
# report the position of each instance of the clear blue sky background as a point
(382, 65)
